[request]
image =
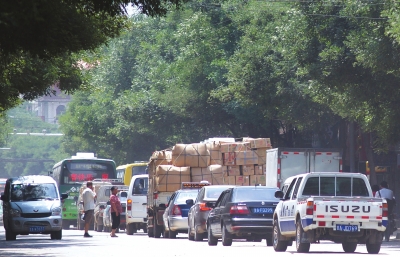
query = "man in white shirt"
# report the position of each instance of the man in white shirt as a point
(88, 197)
(387, 194)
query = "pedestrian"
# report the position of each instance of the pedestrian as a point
(375, 188)
(387, 194)
(88, 197)
(116, 210)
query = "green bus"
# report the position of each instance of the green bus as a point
(71, 173)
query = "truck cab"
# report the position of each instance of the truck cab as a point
(136, 204)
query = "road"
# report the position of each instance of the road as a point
(101, 244)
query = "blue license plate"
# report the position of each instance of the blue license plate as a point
(36, 229)
(347, 228)
(263, 210)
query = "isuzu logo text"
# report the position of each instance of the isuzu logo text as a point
(343, 208)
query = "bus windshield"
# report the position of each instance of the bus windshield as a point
(73, 172)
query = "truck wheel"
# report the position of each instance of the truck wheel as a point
(190, 235)
(269, 241)
(145, 229)
(349, 247)
(212, 240)
(373, 248)
(301, 247)
(150, 232)
(129, 229)
(226, 238)
(157, 231)
(279, 246)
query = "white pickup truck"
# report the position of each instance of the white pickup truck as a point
(329, 206)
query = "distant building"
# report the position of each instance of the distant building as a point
(49, 108)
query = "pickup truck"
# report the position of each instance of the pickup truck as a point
(329, 206)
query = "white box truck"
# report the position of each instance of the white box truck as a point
(283, 163)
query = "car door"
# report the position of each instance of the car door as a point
(212, 216)
(194, 210)
(167, 210)
(219, 215)
(286, 223)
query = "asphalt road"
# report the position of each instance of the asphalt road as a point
(101, 244)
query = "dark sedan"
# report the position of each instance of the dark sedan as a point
(198, 213)
(242, 213)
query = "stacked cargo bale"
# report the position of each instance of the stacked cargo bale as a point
(260, 147)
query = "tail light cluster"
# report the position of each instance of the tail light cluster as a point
(385, 210)
(203, 207)
(176, 210)
(129, 204)
(239, 209)
(310, 208)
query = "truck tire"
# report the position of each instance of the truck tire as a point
(150, 232)
(373, 248)
(269, 241)
(226, 238)
(212, 240)
(145, 229)
(129, 229)
(349, 247)
(157, 231)
(57, 235)
(279, 246)
(301, 247)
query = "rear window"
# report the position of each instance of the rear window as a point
(213, 193)
(254, 194)
(335, 186)
(183, 196)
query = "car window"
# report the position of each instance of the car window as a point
(254, 194)
(171, 199)
(296, 189)
(290, 189)
(226, 198)
(213, 193)
(221, 197)
(183, 196)
(200, 196)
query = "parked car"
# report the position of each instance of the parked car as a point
(176, 214)
(244, 212)
(198, 213)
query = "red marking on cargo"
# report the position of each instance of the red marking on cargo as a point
(335, 216)
(318, 153)
(365, 217)
(328, 153)
(296, 153)
(321, 216)
(285, 152)
(349, 217)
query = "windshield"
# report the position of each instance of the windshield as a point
(32, 192)
(254, 194)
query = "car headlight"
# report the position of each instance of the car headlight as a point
(56, 211)
(15, 213)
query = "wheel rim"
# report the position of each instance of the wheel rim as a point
(275, 235)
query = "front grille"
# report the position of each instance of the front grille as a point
(36, 215)
(36, 223)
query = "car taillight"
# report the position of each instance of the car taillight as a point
(176, 210)
(385, 210)
(310, 208)
(239, 209)
(129, 204)
(203, 207)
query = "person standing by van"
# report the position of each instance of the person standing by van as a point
(116, 210)
(387, 194)
(88, 197)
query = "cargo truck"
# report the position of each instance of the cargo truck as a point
(282, 163)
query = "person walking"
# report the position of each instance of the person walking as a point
(116, 210)
(88, 197)
(387, 194)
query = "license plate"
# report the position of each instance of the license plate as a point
(36, 229)
(347, 228)
(263, 210)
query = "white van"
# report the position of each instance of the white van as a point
(136, 204)
(32, 205)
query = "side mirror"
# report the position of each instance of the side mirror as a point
(279, 194)
(189, 202)
(162, 205)
(210, 204)
(64, 196)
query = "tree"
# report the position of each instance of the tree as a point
(40, 41)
